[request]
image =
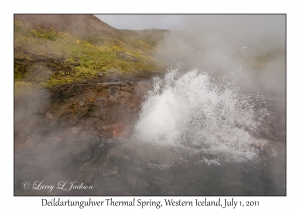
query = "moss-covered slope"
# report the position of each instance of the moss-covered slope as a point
(53, 50)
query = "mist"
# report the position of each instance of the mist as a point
(222, 44)
(214, 61)
(219, 44)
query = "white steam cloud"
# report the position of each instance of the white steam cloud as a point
(194, 111)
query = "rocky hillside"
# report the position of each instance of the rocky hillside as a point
(77, 72)
(53, 50)
(74, 24)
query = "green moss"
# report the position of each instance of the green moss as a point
(71, 59)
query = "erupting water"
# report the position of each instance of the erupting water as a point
(208, 117)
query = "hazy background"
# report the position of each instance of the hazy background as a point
(254, 44)
(225, 24)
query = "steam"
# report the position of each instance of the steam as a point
(194, 111)
(244, 57)
(229, 94)
(218, 43)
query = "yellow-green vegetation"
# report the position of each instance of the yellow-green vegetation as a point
(22, 87)
(44, 56)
